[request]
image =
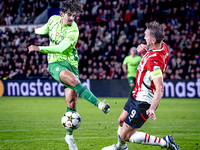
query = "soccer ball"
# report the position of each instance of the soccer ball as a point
(71, 120)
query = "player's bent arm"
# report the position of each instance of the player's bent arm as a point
(142, 48)
(55, 49)
(124, 68)
(67, 42)
(158, 82)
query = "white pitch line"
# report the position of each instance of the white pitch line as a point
(12, 130)
(33, 140)
(27, 130)
(61, 139)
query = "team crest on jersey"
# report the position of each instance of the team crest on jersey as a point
(57, 33)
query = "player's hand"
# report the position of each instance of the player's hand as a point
(33, 48)
(142, 48)
(151, 114)
(36, 27)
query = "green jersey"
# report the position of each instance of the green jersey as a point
(62, 41)
(132, 64)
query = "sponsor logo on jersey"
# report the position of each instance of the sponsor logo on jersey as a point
(56, 42)
(62, 37)
(57, 68)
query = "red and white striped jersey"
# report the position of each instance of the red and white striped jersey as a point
(145, 88)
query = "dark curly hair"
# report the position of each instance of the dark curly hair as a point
(157, 31)
(72, 5)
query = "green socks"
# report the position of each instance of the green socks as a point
(69, 132)
(86, 94)
(69, 109)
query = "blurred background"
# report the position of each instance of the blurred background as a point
(108, 29)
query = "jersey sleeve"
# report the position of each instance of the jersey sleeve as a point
(72, 36)
(55, 49)
(155, 65)
(44, 29)
(125, 61)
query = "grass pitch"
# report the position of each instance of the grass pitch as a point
(34, 123)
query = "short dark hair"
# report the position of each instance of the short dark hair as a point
(72, 5)
(157, 31)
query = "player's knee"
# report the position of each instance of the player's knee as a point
(70, 80)
(120, 122)
(122, 136)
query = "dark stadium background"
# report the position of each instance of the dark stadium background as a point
(107, 31)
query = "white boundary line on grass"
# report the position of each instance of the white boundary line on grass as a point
(109, 137)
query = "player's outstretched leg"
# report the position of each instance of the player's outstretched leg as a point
(170, 143)
(68, 78)
(144, 138)
(70, 142)
(90, 97)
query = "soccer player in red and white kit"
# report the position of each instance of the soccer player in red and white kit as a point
(147, 94)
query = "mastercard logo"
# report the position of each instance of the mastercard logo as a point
(1, 88)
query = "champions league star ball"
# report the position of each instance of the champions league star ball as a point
(71, 120)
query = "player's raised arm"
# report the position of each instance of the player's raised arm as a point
(44, 29)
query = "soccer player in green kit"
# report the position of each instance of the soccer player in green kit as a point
(130, 65)
(63, 58)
